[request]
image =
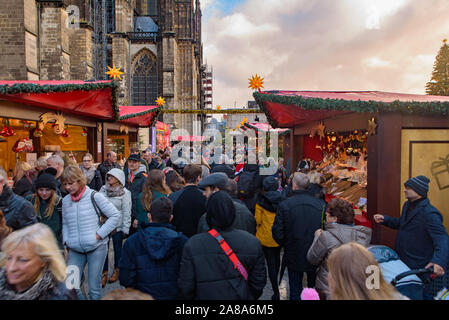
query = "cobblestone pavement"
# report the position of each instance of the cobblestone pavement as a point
(266, 295)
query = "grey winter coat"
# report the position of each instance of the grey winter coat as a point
(334, 236)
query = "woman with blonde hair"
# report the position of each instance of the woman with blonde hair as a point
(84, 234)
(154, 188)
(32, 267)
(23, 179)
(351, 267)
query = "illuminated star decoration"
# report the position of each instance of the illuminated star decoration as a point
(160, 101)
(255, 83)
(218, 107)
(372, 127)
(114, 72)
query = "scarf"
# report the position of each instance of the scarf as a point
(7, 292)
(116, 191)
(89, 173)
(78, 198)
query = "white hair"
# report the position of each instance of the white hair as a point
(57, 159)
(301, 180)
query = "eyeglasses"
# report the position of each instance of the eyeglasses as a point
(87, 160)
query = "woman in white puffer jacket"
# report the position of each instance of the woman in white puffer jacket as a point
(84, 237)
(114, 190)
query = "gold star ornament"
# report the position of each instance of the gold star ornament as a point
(160, 101)
(256, 82)
(114, 72)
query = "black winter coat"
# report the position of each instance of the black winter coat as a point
(151, 259)
(135, 187)
(23, 187)
(18, 212)
(421, 236)
(189, 206)
(97, 181)
(296, 221)
(207, 273)
(104, 168)
(244, 219)
(258, 181)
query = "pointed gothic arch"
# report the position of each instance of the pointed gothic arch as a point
(144, 78)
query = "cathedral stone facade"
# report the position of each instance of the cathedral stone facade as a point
(157, 44)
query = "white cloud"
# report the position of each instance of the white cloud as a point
(323, 45)
(376, 62)
(237, 25)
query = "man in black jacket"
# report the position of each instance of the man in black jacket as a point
(18, 212)
(244, 219)
(422, 240)
(135, 178)
(296, 220)
(207, 273)
(108, 164)
(189, 203)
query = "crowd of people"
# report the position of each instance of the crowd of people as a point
(198, 231)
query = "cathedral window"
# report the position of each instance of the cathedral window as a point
(144, 79)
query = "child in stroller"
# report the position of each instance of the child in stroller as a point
(398, 273)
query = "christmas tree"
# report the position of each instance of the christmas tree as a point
(439, 83)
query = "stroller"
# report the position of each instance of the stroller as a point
(399, 274)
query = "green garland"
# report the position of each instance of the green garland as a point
(209, 111)
(412, 107)
(47, 88)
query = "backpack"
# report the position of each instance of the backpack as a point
(246, 184)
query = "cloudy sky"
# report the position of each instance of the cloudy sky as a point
(384, 45)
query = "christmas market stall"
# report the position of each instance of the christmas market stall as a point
(367, 144)
(124, 134)
(40, 117)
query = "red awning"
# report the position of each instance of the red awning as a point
(139, 116)
(287, 109)
(93, 99)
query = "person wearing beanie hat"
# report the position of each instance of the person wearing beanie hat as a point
(207, 273)
(114, 190)
(47, 203)
(422, 240)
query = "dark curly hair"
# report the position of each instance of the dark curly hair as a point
(342, 210)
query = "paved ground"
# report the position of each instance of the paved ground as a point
(266, 295)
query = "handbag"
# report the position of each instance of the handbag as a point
(229, 253)
(101, 217)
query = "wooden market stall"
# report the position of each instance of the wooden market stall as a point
(41, 117)
(406, 135)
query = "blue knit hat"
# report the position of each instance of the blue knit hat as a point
(419, 184)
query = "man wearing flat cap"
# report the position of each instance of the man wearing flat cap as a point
(219, 181)
(422, 241)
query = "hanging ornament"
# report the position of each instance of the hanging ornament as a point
(114, 72)
(256, 82)
(11, 132)
(84, 133)
(372, 127)
(65, 133)
(124, 129)
(4, 131)
(318, 129)
(99, 127)
(38, 133)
